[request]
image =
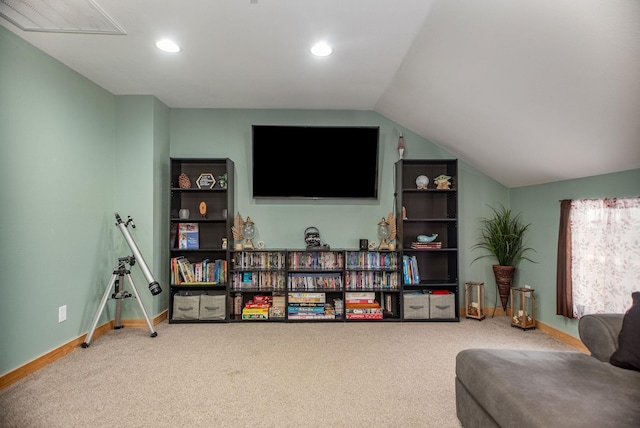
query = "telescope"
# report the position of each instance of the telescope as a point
(116, 283)
(154, 287)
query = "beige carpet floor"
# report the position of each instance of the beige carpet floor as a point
(261, 374)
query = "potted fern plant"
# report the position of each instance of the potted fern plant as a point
(502, 237)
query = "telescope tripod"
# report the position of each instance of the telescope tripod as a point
(119, 295)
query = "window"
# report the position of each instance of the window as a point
(598, 256)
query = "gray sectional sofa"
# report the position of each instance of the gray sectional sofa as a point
(543, 389)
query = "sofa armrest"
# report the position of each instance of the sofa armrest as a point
(599, 333)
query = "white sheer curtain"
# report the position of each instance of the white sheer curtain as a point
(605, 260)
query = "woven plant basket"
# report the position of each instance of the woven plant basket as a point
(504, 278)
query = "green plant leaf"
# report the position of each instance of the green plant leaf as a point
(501, 236)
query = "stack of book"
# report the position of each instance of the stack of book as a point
(257, 309)
(338, 307)
(426, 245)
(362, 306)
(309, 306)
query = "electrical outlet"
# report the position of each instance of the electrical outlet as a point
(62, 313)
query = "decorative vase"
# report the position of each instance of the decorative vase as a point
(504, 278)
(184, 214)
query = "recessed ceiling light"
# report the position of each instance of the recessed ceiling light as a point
(321, 49)
(167, 46)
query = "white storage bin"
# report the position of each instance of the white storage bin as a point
(416, 306)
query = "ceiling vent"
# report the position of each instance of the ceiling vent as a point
(59, 16)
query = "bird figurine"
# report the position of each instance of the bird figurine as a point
(425, 238)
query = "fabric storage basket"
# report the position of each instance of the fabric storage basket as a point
(416, 306)
(212, 307)
(442, 306)
(186, 307)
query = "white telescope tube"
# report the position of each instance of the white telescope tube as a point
(154, 287)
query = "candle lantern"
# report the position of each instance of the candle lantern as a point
(474, 299)
(523, 308)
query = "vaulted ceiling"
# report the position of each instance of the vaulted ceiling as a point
(526, 91)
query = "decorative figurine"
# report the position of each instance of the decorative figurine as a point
(425, 238)
(223, 180)
(442, 182)
(312, 237)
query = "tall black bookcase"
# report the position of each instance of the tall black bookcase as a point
(432, 294)
(203, 188)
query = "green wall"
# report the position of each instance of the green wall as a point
(540, 206)
(57, 172)
(71, 154)
(142, 149)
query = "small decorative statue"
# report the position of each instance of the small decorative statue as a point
(442, 182)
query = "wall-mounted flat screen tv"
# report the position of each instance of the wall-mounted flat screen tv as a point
(314, 162)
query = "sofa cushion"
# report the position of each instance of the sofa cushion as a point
(540, 389)
(599, 333)
(627, 355)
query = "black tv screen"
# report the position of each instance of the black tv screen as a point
(315, 162)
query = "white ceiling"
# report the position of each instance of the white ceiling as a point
(526, 91)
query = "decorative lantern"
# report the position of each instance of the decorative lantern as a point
(383, 234)
(474, 299)
(523, 308)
